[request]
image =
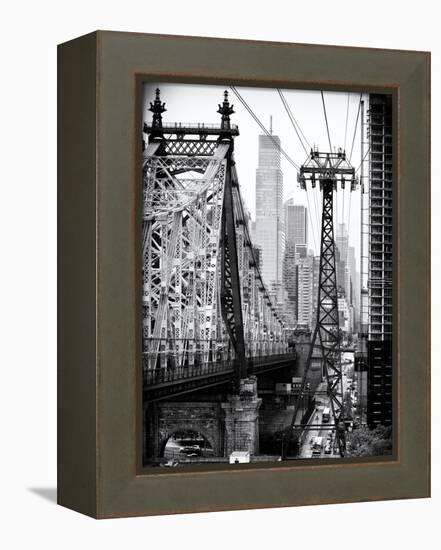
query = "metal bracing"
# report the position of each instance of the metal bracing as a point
(328, 169)
(327, 327)
(182, 229)
(204, 298)
(231, 298)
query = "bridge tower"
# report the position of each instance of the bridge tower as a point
(328, 169)
(204, 301)
(208, 319)
(231, 303)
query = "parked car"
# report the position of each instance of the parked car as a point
(191, 450)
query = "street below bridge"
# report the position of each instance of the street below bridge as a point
(329, 449)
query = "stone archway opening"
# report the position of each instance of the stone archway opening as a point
(187, 445)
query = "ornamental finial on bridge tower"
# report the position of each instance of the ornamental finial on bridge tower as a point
(157, 108)
(225, 110)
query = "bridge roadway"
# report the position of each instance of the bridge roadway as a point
(161, 384)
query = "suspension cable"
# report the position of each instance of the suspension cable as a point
(256, 119)
(349, 213)
(346, 123)
(310, 221)
(326, 120)
(359, 166)
(316, 208)
(299, 133)
(350, 194)
(355, 129)
(294, 122)
(343, 208)
(363, 159)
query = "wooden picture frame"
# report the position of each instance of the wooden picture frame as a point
(100, 75)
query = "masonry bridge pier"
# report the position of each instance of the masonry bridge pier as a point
(227, 420)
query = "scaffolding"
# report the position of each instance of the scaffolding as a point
(379, 341)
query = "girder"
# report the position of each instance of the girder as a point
(190, 147)
(327, 327)
(231, 295)
(181, 246)
(204, 299)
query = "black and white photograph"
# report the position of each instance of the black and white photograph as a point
(219, 278)
(266, 274)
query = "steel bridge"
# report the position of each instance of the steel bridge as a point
(208, 317)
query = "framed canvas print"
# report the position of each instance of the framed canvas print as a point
(244, 274)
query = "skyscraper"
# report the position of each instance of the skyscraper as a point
(342, 239)
(296, 228)
(355, 285)
(290, 285)
(304, 290)
(270, 234)
(315, 287)
(296, 223)
(342, 243)
(379, 406)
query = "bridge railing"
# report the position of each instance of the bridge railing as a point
(164, 375)
(256, 361)
(167, 375)
(175, 354)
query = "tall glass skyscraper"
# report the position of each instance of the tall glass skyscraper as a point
(270, 234)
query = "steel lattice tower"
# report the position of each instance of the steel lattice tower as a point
(328, 169)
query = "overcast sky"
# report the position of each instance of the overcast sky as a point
(199, 103)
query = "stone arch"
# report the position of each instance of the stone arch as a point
(167, 418)
(186, 428)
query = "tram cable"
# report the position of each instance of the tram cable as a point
(256, 119)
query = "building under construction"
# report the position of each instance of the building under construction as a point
(374, 362)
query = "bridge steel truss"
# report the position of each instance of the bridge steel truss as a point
(328, 169)
(204, 300)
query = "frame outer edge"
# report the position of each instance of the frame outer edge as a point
(119, 491)
(76, 174)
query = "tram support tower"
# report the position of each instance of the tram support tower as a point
(328, 169)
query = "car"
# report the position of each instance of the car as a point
(191, 450)
(169, 464)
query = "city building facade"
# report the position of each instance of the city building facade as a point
(341, 256)
(379, 341)
(269, 229)
(315, 288)
(296, 235)
(296, 223)
(305, 273)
